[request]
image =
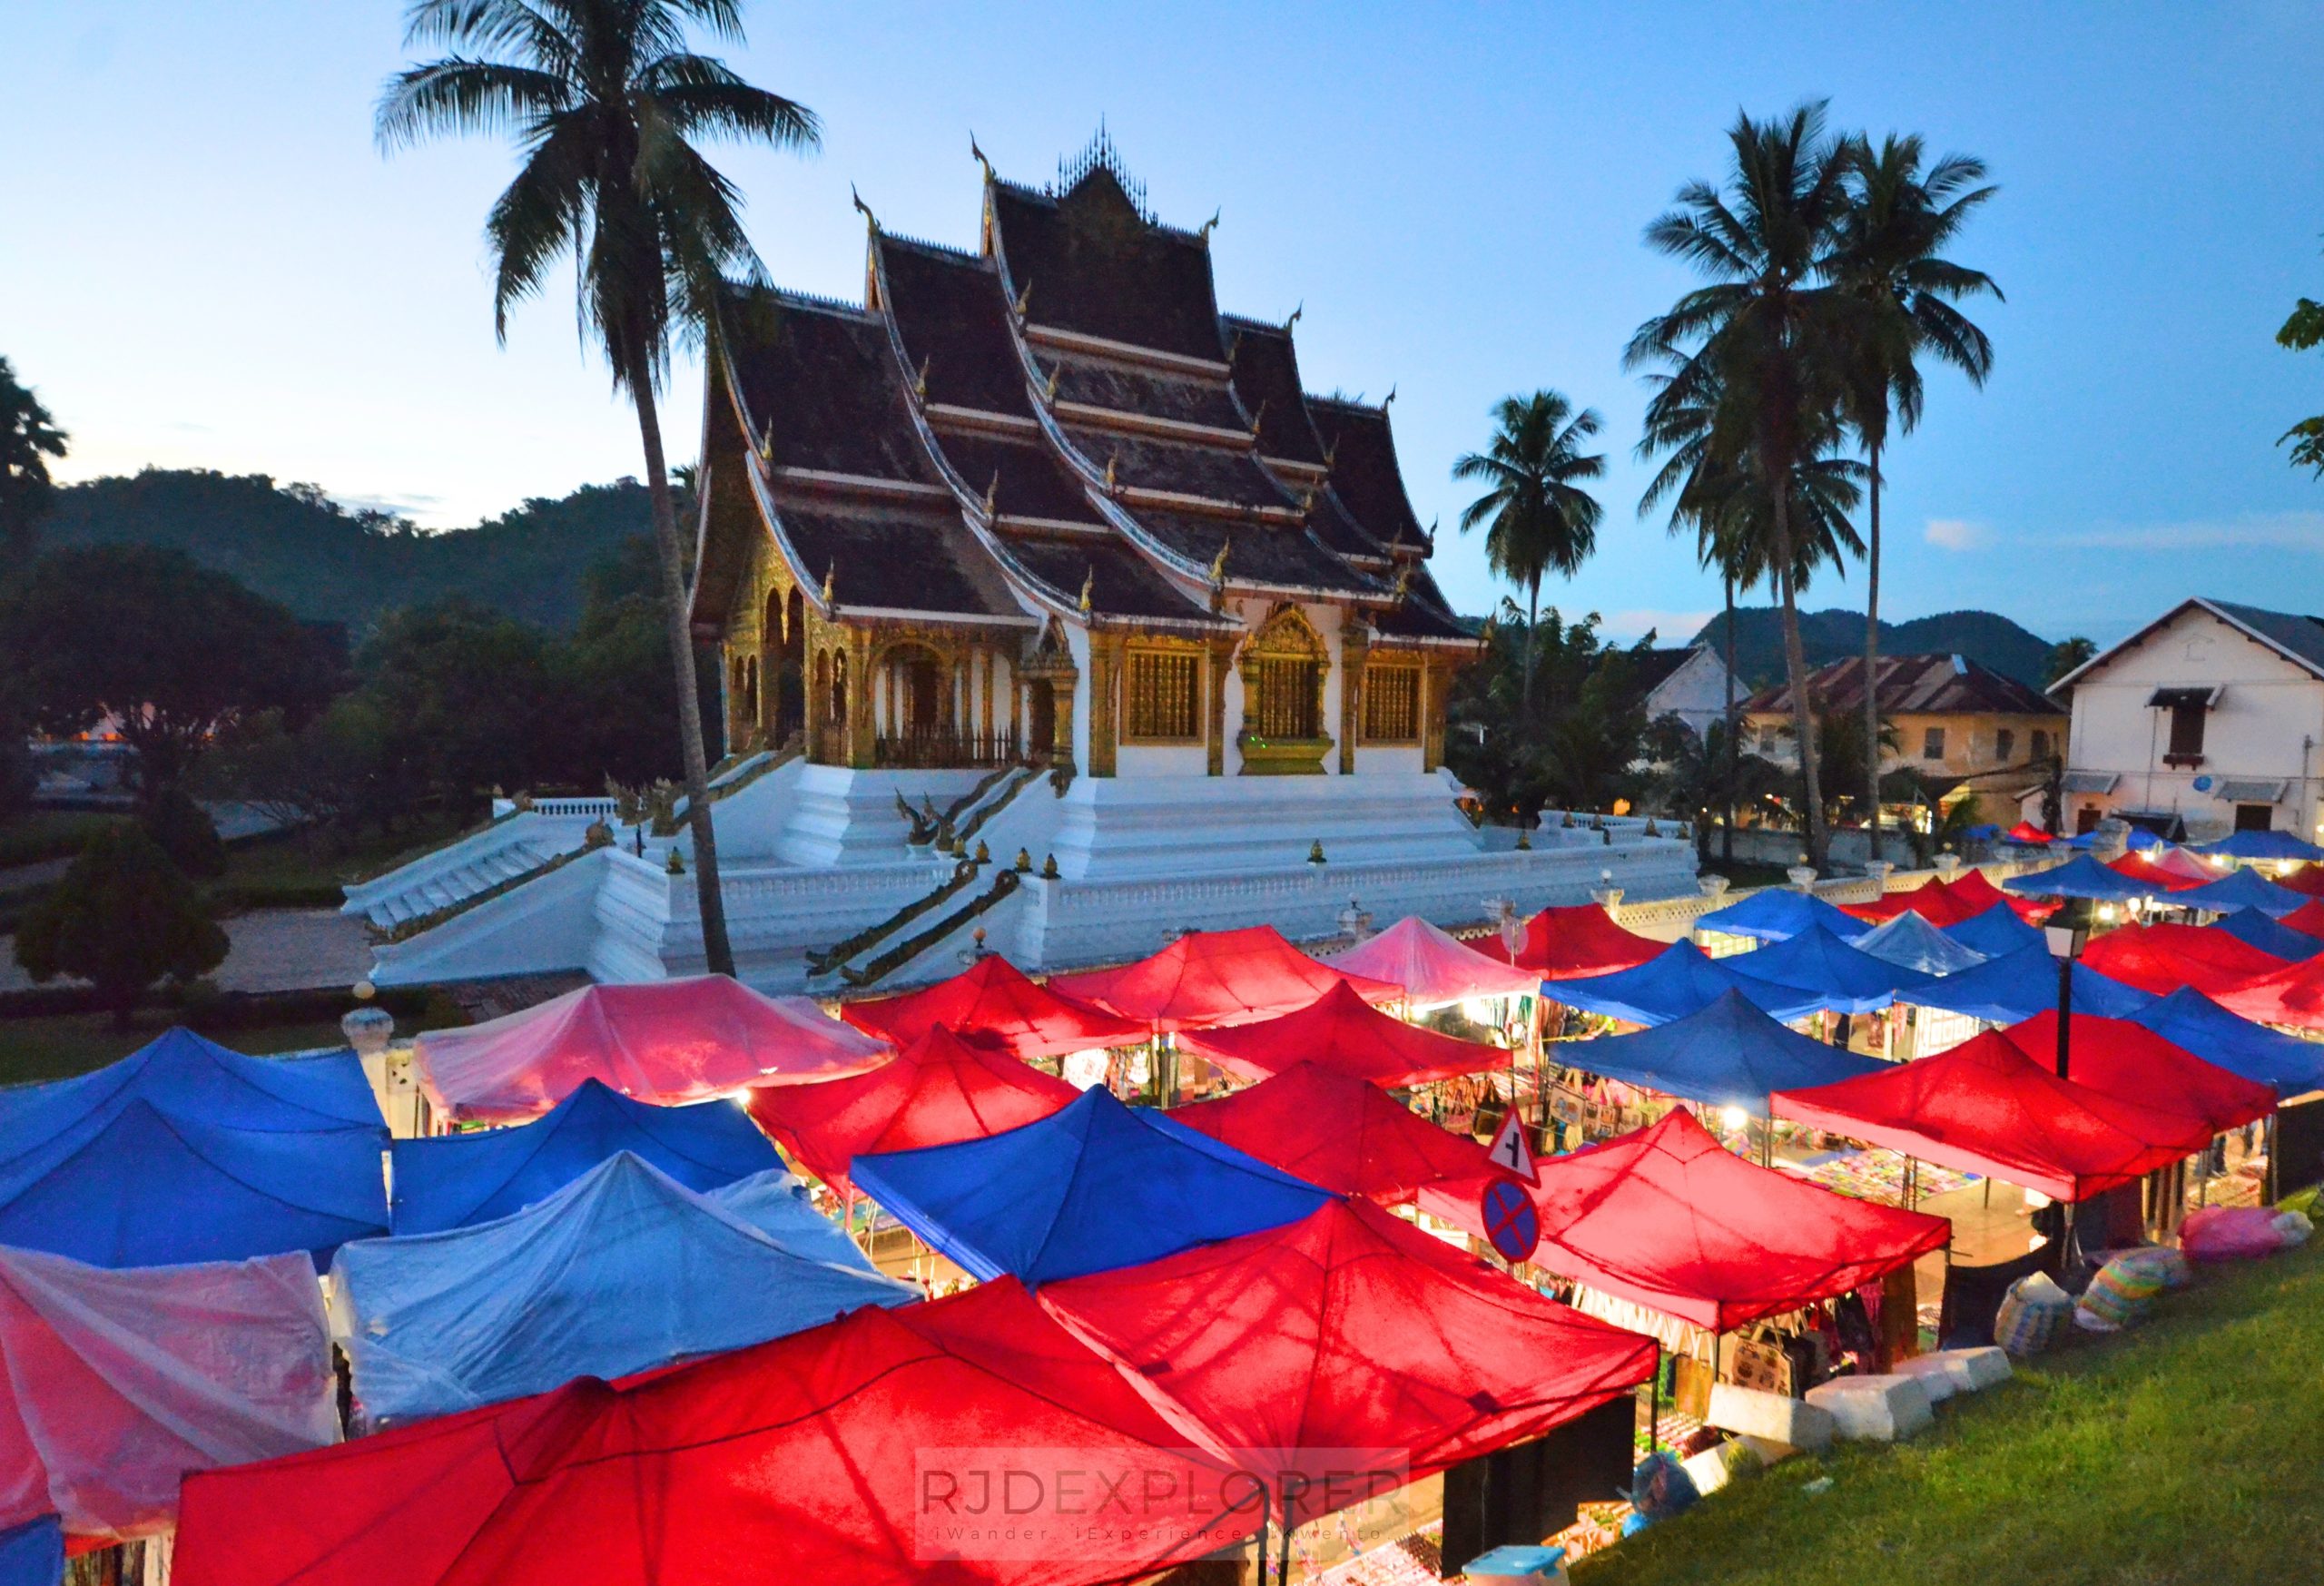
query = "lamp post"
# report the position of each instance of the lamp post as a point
(2067, 932)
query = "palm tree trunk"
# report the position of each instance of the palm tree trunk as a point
(1794, 661)
(714, 945)
(1872, 661)
(1533, 624)
(1734, 743)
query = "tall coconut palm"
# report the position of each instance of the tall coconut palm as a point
(1897, 223)
(29, 437)
(1767, 329)
(1542, 522)
(602, 97)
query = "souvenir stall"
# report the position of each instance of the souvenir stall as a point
(1331, 1128)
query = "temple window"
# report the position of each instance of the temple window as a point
(1391, 705)
(1162, 697)
(1290, 698)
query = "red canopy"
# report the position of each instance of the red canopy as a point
(2025, 831)
(2292, 995)
(2163, 958)
(1209, 979)
(1971, 888)
(2308, 919)
(941, 1089)
(1434, 966)
(1337, 1130)
(1348, 1329)
(995, 1002)
(1984, 1107)
(2132, 1063)
(1343, 1033)
(2151, 873)
(810, 1457)
(1933, 900)
(1669, 1218)
(668, 1043)
(1572, 943)
(2306, 878)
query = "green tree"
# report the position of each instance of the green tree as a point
(2303, 330)
(121, 917)
(1542, 521)
(2064, 656)
(603, 97)
(171, 652)
(1760, 344)
(463, 699)
(1897, 221)
(29, 438)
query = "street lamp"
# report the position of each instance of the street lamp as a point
(2066, 933)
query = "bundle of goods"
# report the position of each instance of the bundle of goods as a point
(2124, 1289)
(2031, 1314)
(2227, 1232)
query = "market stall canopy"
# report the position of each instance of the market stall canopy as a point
(2308, 879)
(2154, 873)
(2253, 926)
(1932, 901)
(450, 1181)
(117, 1383)
(2021, 984)
(1668, 1218)
(2241, 889)
(1343, 1031)
(2269, 845)
(1978, 894)
(1997, 933)
(1678, 981)
(2193, 1022)
(622, 1270)
(1986, 1108)
(2130, 1062)
(1726, 1053)
(1348, 1329)
(994, 1003)
(1207, 979)
(2308, 919)
(665, 1042)
(1573, 943)
(1094, 1187)
(188, 1076)
(2025, 831)
(2160, 958)
(2080, 877)
(1432, 966)
(1819, 963)
(1339, 1132)
(808, 1456)
(32, 1554)
(939, 1089)
(2293, 996)
(1779, 914)
(1910, 942)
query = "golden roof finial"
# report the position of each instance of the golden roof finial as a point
(1048, 387)
(1110, 461)
(1302, 309)
(1404, 583)
(1332, 454)
(1259, 415)
(919, 384)
(1218, 564)
(992, 492)
(1209, 226)
(1024, 296)
(830, 571)
(1088, 585)
(978, 154)
(1388, 399)
(862, 208)
(766, 447)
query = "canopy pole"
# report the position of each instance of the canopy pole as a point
(1654, 1406)
(1768, 1140)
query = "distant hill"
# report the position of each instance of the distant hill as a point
(326, 563)
(1827, 635)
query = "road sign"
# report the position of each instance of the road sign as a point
(1511, 1219)
(1510, 1151)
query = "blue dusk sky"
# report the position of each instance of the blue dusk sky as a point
(208, 263)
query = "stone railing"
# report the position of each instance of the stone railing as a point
(607, 810)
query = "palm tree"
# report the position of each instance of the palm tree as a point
(1897, 221)
(1758, 346)
(602, 97)
(28, 438)
(1542, 522)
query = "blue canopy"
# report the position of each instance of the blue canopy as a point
(621, 1270)
(1676, 981)
(1780, 913)
(1726, 1053)
(2240, 889)
(2192, 1021)
(1996, 934)
(2080, 877)
(2021, 984)
(1819, 963)
(2253, 926)
(1911, 941)
(2138, 841)
(32, 1554)
(1090, 1189)
(2269, 845)
(454, 1180)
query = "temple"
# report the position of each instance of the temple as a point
(1051, 612)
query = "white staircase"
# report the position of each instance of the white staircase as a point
(515, 844)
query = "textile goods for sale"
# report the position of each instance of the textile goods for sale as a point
(993, 1003)
(622, 1270)
(1879, 1176)
(1209, 979)
(1432, 966)
(1341, 1031)
(665, 1042)
(117, 1383)
(450, 1181)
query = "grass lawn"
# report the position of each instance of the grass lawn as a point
(38, 835)
(53, 1047)
(2181, 1452)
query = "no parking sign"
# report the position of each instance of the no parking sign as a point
(1511, 1221)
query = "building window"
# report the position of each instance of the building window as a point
(2186, 732)
(2255, 817)
(2005, 745)
(1290, 693)
(1163, 697)
(1391, 705)
(2041, 745)
(1933, 742)
(1767, 740)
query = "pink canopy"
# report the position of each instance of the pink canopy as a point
(1210, 979)
(664, 1041)
(1432, 966)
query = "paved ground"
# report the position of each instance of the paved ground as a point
(274, 949)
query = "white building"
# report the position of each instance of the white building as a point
(2211, 717)
(1690, 684)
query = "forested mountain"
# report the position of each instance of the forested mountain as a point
(1828, 636)
(325, 562)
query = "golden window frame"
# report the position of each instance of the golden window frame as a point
(1409, 680)
(1162, 663)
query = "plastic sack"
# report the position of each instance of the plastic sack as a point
(2030, 1314)
(2158, 1265)
(2120, 1295)
(2230, 1233)
(2293, 1228)
(1660, 1487)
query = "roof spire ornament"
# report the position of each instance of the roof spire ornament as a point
(1218, 565)
(1403, 588)
(1388, 399)
(1259, 415)
(830, 571)
(1302, 309)
(920, 382)
(1112, 459)
(1089, 586)
(1049, 387)
(978, 155)
(992, 493)
(1210, 225)
(862, 208)
(1024, 298)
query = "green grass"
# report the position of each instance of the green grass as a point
(2183, 1451)
(39, 834)
(297, 870)
(54, 1046)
